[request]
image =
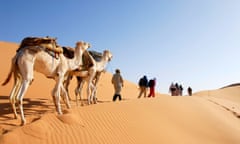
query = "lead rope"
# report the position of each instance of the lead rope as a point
(53, 57)
(109, 66)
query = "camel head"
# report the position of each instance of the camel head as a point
(107, 55)
(82, 45)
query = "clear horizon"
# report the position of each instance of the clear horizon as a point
(194, 43)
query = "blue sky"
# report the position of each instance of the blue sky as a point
(192, 42)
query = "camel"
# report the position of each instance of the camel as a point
(92, 78)
(34, 58)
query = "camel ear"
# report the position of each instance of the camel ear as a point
(89, 45)
(79, 43)
(82, 43)
(105, 51)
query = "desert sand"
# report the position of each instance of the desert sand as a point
(207, 117)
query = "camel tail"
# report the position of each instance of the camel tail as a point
(8, 78)
(12, 69)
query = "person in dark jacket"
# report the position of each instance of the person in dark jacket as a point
(152, 84)
(172, 89)
(189, 91)
(180, 90)
(143, 85)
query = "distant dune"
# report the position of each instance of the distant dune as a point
(207, 117)
(231, 85)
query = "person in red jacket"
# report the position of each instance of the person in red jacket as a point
(152, 84)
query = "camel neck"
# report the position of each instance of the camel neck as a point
(76, 62)
(101, 65)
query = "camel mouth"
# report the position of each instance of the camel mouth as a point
(109, 58)
(89, 45)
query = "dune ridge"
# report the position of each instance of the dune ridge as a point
(227, 98)
(206, 117)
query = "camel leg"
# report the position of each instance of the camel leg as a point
(18, 87)
(94, 95)
(98, 74)
(23, 89)
(78, 90)
(56, 93)
(12, 98)
(15, 91)
(65, 97)
(90, 86)
(56, 99)
(90, 92)
(25, 73)
(97, 77)
(66, 85)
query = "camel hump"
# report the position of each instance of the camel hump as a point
(96, 55)
(88, 60)
(47, 42)
(68, 52)
(36, 41)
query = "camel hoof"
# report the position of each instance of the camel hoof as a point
(95, 101)
(23, 122)
(68, 106)
(60, 113)
(15, 117)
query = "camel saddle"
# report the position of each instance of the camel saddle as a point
(87, 61)
(48, 43)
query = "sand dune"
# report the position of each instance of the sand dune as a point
(207, 117)
(228, 98)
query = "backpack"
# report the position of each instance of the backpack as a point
(151, 83)
(141, 82)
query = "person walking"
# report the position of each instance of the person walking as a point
(180, 90)
(189, 91)
(177, 89)
(152, 84)
(117, 82)
(143, 84)
(172, 89)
